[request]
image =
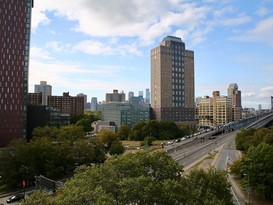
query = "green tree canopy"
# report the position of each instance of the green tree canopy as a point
(123, 132)
(106, 137)
(53, 157)
(257, 168)
(145, 179)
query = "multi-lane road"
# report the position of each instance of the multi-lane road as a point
(192, 151)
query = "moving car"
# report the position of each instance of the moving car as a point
(14, 198)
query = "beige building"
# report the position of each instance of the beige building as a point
(215, 110)
(172, 81)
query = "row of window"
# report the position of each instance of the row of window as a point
(9, 74)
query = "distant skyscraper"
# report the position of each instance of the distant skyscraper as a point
(130, 94)
(86, 106)
(140, 96)
(260, 107)
(15, 21)
(147, 98)
(94, 104)
(235, 95)
(172, 81)
(45, 89)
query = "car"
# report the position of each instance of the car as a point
(16, 197)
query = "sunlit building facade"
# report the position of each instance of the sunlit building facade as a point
(172, 81)
(214, 111)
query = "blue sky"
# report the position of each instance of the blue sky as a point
(95, 46)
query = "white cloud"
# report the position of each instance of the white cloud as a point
(262, 11)
(58, 46)
(143, 19)
(261, 33)
(246, 95)
(38, 18)
(94, 48)
(109, 48)
(240, 19)
(38, 53)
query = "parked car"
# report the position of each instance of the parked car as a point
(14, 198)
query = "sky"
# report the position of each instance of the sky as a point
(96, 46)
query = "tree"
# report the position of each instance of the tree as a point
(71, 133)
(86, 121)
(148, 141)
(209, 187)
(106, 137)
(38, 198)
(243, 139)
(257, 168)
(116, 148)
(136, 132)
(123, 132)
(51, 132)
(146, 179)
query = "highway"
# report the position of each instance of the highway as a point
(190, 153)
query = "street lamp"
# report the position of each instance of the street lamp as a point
(248, 188)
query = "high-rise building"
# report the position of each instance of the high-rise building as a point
(94, 104)
(172, 81)
(115, 97)
(140, 96)
(45, 89)
(147, 97)
(86, 105)
(15, 21)
(130, 94)
(235, 95)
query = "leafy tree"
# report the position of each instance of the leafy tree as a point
(136, 132)
(148, 141)
(116, 148)
(38, 198)
(71, 133)
(106, 137)
(209, 187)
(169, 130)
(146, 179)
(243, 139)
(51, 132)
(157, 129)
(47, 156)
(123, 132)
(87, 120)
(235, 168)
(10, 165)
(257, 168)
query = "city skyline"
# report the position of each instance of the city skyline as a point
(93, 47)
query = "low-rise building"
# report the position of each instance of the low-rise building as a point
(41, 116)
(127, 113)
